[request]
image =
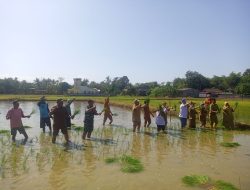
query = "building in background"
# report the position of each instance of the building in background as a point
(82, 90)
(188, 92)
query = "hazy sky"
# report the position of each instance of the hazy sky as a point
(146, 40)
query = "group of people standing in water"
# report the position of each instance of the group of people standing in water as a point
(207, 110)
(62, 116)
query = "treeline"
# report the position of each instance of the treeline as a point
(238, 83)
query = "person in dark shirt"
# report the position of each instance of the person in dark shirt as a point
(60, 114)
(214, 110)
(90, 112)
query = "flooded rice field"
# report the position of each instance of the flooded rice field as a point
(166, 158)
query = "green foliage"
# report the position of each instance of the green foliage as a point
(196, 80)
(229, 144)
(130, 164)
(206, 182)
(196, 180)
(77, 128)
(111, 160)
(3, 131)
(76, 112)
(27, 127)
(222, 185)
(165, 90)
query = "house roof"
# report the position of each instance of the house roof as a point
(212, 90)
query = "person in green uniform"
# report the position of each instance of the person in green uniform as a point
(214, 109)
(228, 117)
(192, 115)
(203, 115)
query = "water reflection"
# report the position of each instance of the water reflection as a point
(173, 155)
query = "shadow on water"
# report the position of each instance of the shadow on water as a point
(71, 146)
(105, 141)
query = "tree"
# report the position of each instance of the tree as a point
(196, 80)
(165, 90)
(85, 82)
(179, 83)
(233, 80)
(244, 84)
(63, 88)
(219, 82)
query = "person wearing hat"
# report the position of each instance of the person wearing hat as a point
(183, 114)
(44, 114)
(228, 117)
(60, 115)
(214, 109)
(192, 115)
(15, 116)
(136, 115)
(67, 106)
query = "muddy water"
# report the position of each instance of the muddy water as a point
(166, 157)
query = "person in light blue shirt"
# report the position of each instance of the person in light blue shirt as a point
(44, 114)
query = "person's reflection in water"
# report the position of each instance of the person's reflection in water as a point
(136, 144)
(42, 157)
(16, 159)
(60, 167)
(90, 158)
(161, 144)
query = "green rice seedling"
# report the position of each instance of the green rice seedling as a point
(3, 131)
(78, 128)
(196, 180)
(130, 164)
(76, 112)
(229, 144)
(25, 159)
(111, 160)
(32, 112)
(222, 185)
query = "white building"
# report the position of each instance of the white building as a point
(82, 90)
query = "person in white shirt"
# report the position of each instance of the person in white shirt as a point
(160, 119)
(183, 115)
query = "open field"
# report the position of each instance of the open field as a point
(241, 114)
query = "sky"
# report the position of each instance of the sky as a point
(146, 40)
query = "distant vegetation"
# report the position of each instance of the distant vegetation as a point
(239, 83)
